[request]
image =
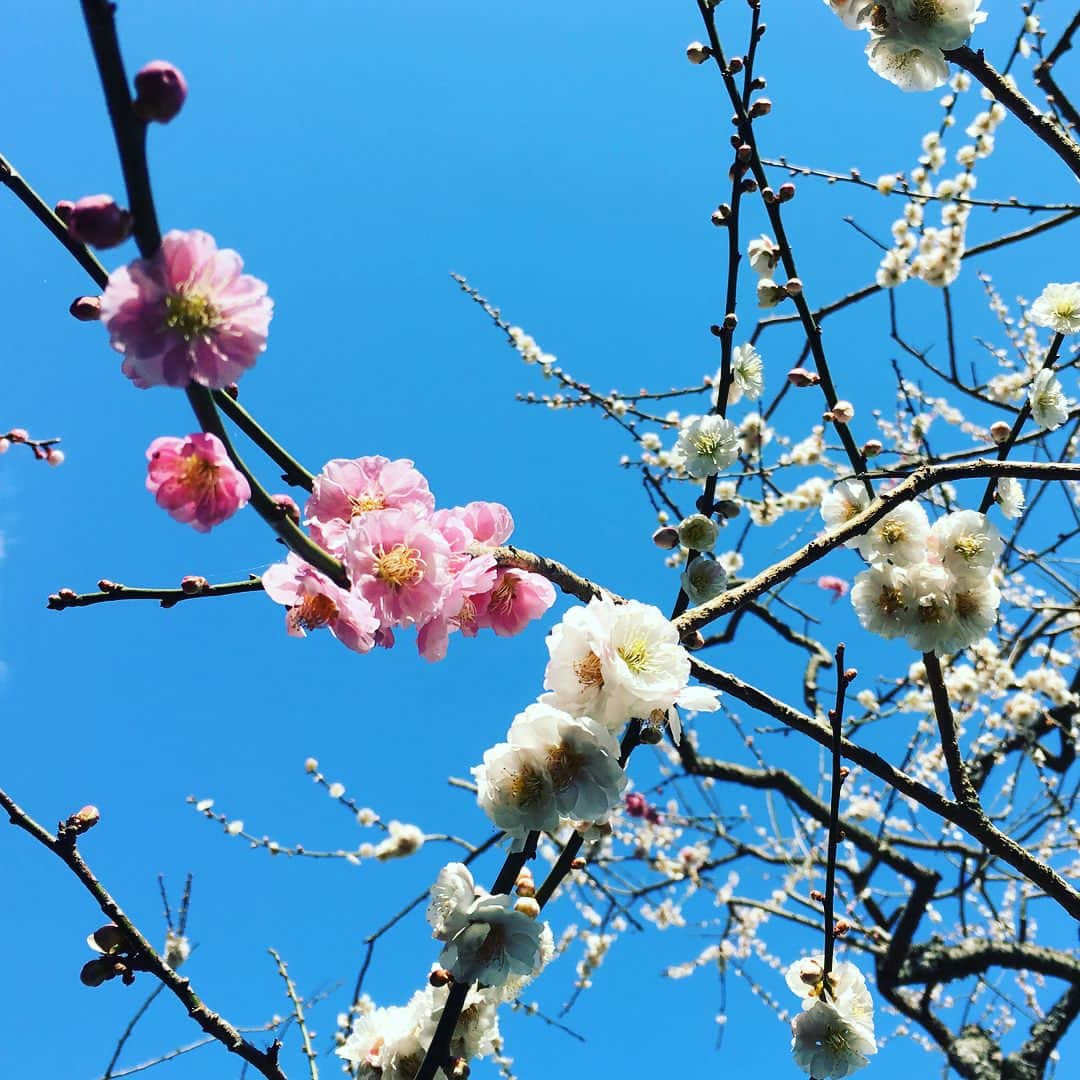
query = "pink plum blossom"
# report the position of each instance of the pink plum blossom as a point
(516, 599)
(836, 585)
(194, 480)
(470, 584)
(400, 563)
(314, 601)
(186, 314)
(346, 489)
(490, 522)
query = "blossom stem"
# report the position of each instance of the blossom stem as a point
(294, 473)
(43, 212)
(275, 515)
(63, 846)
(836, 720)
(128, 130)
(167, 598)
(1018, 425)
(1043, 126)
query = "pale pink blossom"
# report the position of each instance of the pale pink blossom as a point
(836, 585)
(314, 601)
(349, 488)
(516, 599)
(186, 314)
(400, 563)
(490, 522)
(194, 480)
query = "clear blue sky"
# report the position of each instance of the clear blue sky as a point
(565, 157)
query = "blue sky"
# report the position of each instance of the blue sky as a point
(565, 157)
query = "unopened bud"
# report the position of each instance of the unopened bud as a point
(18, 434)
(872, 447)
(83, 820)
(748, 185)
(233, 390)
(698, 532)
(1000, 431)
(720, 215)
(851, 674)
(286, 504)
(743, 151)
(727, 508)
(67, 594)
(311, 765)
(651, 734)
(440, 977)
(54, 457)
(793, 286)
(694, 641)
(845, 772)
(799, 376)
(816, 896)
(697, 52)
(578, 864)
(768, 195)
(86, 308)
(459, 1069)
(666, 538)
(160, 90)
(528, 906)
(731, 320)
(735, 65)
(105, 585)
(842, 927)
(786, 192)
(63, 210)
(761, 107)
(5, 444)
(843, 412)
(98, 221)
(192, 585)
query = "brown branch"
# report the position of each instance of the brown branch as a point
(63, 846)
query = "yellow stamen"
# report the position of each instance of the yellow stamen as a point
(502, 596)
(189, 314)
(635, 655)
(588, 671)
(399, 567)
(563, 765)
(198, 476)
(361, 504)
(313, 612)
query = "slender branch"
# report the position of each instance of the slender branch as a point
(962, 788)
(63, 846)
(294, 473)
(298, 1013)
(836, 720)
(167, 598)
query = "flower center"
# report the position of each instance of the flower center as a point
(588, 671)
(189, 314)
(563, 765)
(967, 547)
(313, 612)
(892, 532)
(198, 475)
(927, 12)
(966, 605)
(502, 596)
(1065, 309)
(635, 654)
(362, 504)
(706, 443)
(836, 1041)
(930, 611)
(890, 601)
(526, 788)
(467, 615)
(399, 567)
(879, 17)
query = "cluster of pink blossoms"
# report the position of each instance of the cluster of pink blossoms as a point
(410, 565)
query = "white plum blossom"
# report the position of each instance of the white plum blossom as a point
(910, 66)
(1047, 400)
(882, 599)
(855, 14)
(826, 1044)
(707, 445)
(899, 537)
(928, 626)
(748, 374)
(1009, 495)
(496, 942)
(769, 294)
(401, 840)
(763, 255)
(941, 24)
(842, 503)
(385, 1043)
(615, 661)
(1058, 307)
(581, 758)
(703, 580)
(451, 896)
(514, 789)
(966, 544)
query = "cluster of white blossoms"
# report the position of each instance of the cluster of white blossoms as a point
(908, 38)
(834, 1034)
(390, 1043)
(560, 761)
(494, 940)
(930, 585)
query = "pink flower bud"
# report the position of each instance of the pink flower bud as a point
(735, 65)
(86, 308)
(63, 210)
(83, 820)
(636, 804)
(18, 434)
(54, 457)
(872, 447)
(5, 445)
(160, 90)
(192, 585)
(287, 505)
(801, 377)
(793, 286)
(761, 107)
(999, 431)
(97, 220)
(697, 53)
(786, 192)
(720, 215)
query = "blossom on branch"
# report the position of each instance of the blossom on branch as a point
(194, 480)
(707, 445)
(1058, 307)
(1047, 401)
(186, 314)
